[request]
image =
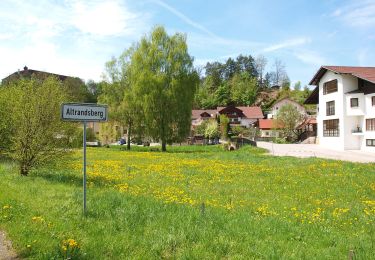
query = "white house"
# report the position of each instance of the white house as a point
(243, 116)
(346, 107)
(285, 101)
(199, 115)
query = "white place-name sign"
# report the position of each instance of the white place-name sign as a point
(84, 112)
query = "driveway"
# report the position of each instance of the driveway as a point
(313, 150)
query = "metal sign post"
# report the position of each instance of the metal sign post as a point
(84, 113)
(84, 168)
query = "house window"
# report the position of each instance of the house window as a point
(354, 102)
(370, 124)
(330, 87)
(330, 108)
(331, 127)
(373, 101)
(370, 142)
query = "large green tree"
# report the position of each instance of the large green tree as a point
(244, 89)
(235, 81)
(119, 95)
(164, 81)
(76, 90)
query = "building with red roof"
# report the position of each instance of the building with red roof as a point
(243, 116)
(269, 128)
(345, 97)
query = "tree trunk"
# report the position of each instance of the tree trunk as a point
(128, 141)
(24, 169)
(163, 146)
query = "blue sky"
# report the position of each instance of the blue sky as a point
(77, 37)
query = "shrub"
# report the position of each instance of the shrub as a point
(238, 130)
(200, 129)
(212, 129)
(36, 127)
(224, 126)
(278, 140)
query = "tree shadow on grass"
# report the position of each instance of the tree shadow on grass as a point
(68, 178)
(7, 163)
(58, 177)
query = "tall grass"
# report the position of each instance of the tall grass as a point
(192, 202)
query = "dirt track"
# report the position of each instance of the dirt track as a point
(6, 251)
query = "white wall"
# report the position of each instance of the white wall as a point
(370, 113)
(370, 110)
(352, 141)
(353, 117)
(368, 135)
(276, 107)
(269, 133)
(355, 111)
(349, 118)
(338, 97)
(247, 122)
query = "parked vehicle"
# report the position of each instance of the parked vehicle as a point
(122, 141)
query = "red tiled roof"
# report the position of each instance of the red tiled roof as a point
(265, 123)
(366, 73)
(290, 100)
(196, 113)
(229, 110)
(252, 112)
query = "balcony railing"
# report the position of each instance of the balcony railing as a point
(357, 130)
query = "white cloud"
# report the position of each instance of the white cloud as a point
(337, 12)
(311, 58)
(103, 18)
(6, 36)
(287, 44)
(67, 37)
(357, 14)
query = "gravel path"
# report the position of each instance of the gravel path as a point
(6, 251)
(313, 150)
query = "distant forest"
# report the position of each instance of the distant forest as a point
(244, 81)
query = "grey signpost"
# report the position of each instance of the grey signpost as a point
(83, 112)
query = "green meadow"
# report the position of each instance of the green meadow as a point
(192, 202)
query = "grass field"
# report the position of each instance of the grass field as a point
(192, 203)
